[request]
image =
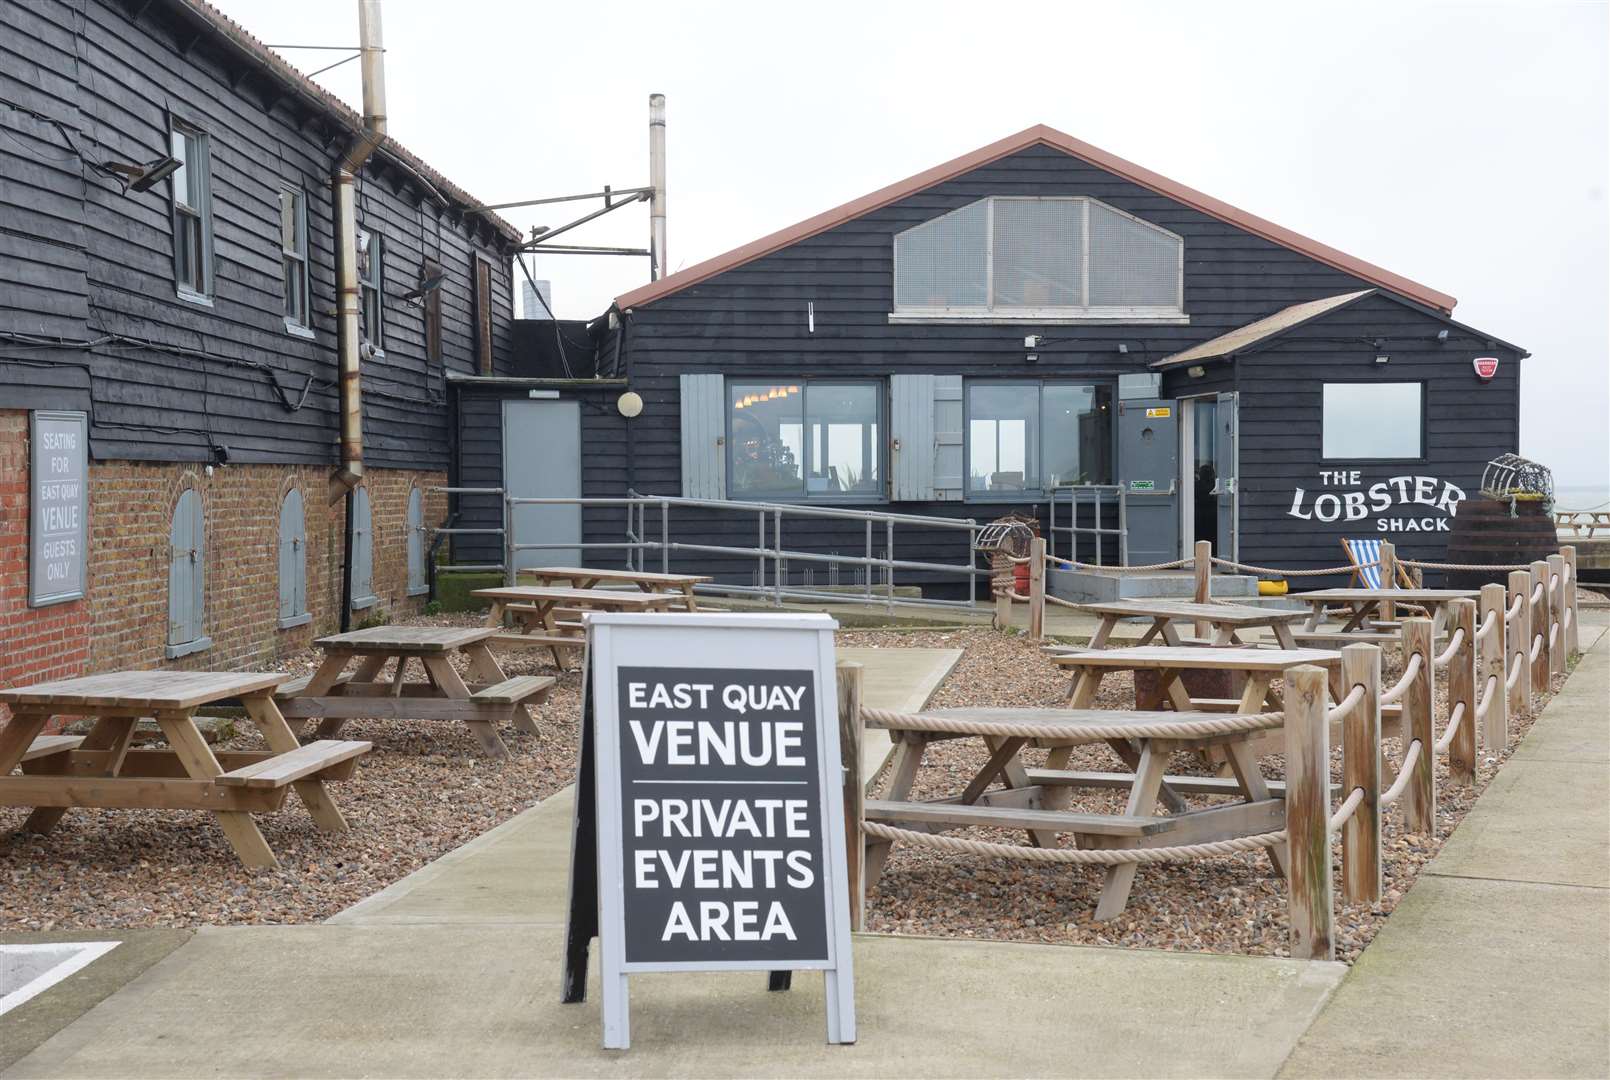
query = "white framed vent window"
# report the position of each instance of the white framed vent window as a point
(192, 213)
(1373, 421)
(1046, 259)
(371, 283)
(812, 439)
(293, 257)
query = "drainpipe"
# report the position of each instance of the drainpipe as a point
(656, 179)
(342, 183)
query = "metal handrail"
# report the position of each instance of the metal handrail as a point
(1101, 494)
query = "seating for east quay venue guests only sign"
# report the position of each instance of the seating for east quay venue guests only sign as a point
(58, 498)
(709, 816)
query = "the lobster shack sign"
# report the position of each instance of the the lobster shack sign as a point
(1395, 504)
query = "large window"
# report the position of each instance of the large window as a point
(1031, 436)
(192, 213)
(805, 440)
(1037, 258)
(1377, 421)
(371, 277)
(293, 255)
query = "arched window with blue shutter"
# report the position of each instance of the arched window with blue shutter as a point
(293, 562)
(363, 550)
(187, 577)
(417, 582)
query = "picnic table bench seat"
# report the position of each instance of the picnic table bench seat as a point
(514, 691)
(46, 745)
(321, 757)
(298, 687)
(955, 814)
(982, 722)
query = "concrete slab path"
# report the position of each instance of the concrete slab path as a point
(1497, 962)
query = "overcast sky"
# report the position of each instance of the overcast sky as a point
(1466, 146)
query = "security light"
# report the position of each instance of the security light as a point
(144, 177)
(1382, 358)
(1442, 335)
(426, 284)
(1032, 341)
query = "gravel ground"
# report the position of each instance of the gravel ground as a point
(1232, 904)
(425, 791)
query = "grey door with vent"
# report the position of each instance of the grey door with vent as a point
(542, 460)
(1149, 471)
(293, 561)
(417, 582)
(1226, 450)
(187, 572)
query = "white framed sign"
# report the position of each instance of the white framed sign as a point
(58, 501)
(713, 831)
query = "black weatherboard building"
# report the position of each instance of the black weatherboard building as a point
(1038, 316)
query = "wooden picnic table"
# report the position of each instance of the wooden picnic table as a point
(334, 696)
(550, 617)
(1035, 799)
(61, 772)
(1260, 666)
(1369, 602)
(1227, 620)
(586, 577)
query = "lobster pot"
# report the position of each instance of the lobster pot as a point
(1485, 532)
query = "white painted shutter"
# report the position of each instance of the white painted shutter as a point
(186, 570)
(911, 427)
(293, 558)
(948, 438)
(363, 561)
(416, 544)
(704, 437)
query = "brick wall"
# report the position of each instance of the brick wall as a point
(131, 507)
(35, 643)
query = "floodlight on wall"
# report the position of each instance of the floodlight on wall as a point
(1032, 341)
(1382, 358)
(1196, 371)
(1123, 350)
(144, 177)
(1442, 336)
(426, 284)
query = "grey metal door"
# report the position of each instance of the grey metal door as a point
(1226, 450)
(1149, 471)
(542, 460)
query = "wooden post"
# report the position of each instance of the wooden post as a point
(1419, 716)
(1462, 691)
(1519, 641)
(1540, 628)
(852, 732)
(1361, 768)
(1003, 606)
(1556, 602)
(1573, 643)
(1389, 579)
(1202, 570)
(1037, 589)
(1492, 664)
(1308, 866)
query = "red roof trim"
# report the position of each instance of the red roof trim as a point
(1040, 135)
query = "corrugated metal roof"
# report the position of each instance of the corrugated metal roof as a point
(1041, 135)
(1244, 337)
(276, 65)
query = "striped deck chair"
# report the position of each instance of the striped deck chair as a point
(1363, 552)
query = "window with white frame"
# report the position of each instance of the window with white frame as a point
(192, 212)
(816, 439)
(371, 277)
(1373, 421)
(293, 255)
(1037, 258)
(1029, 436)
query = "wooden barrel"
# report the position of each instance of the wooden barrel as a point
(1485, 533)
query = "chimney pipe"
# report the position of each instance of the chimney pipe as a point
(656, 179)
(346, 245)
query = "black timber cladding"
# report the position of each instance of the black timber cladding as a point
(83, 261)
(750, 321)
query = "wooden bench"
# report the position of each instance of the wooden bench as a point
(298, 687)
(1335, 640)
(325, 757)
(956, 814)
(46, 745)
(515, 691)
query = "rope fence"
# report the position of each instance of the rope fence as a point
(1076, 856)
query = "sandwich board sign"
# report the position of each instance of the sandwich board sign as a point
(709, 823)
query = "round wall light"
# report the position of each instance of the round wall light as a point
(630, 404)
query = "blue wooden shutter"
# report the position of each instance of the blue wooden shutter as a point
(911, 428)
(363, 592)
(416, 544)
(293, 561)
(186, 571)
(704, 431)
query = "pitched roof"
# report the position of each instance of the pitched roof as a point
(278, 67)
(1039, 135)
(1244, 337)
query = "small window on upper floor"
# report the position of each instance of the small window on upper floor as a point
(1041, 259)
(371, 279)
(293, 254)
(192, 212)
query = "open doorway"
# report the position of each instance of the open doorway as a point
(1208, 472)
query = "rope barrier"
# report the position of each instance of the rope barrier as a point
(1346, 705)
(1515, 606)
(1177, 564)
(1515, 668)
(1454, 719)
(1411, 671)
(1536, 649)
(1345, 811)
(1395, 792)
(1455, 643)
(1076, 856)
(1249, 568)
(1488, 625)
(1537, 593)
(1488, 692)
(1554, 635)
(1467, 567)
(1227, 724)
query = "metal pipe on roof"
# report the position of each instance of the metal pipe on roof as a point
(656, 180)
